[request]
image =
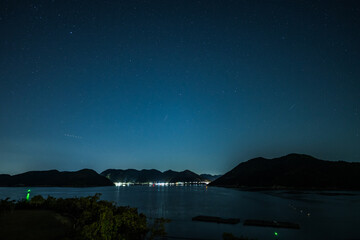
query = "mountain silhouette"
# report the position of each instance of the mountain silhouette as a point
(54, 178)
(210, 177)
(296, 171)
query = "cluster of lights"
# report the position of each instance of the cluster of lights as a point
(161, 184)
(176, 184)
(152, 184)
(123, 184)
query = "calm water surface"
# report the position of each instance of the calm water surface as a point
(320, 217)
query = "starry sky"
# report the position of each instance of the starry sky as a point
(199, 85)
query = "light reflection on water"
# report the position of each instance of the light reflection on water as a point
(331, 217)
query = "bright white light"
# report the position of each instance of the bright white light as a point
(122, 184)
(160, 184)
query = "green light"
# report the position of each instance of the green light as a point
(28, 195)
(275, 233)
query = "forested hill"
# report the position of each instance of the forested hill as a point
(293, 171)
(54, 178)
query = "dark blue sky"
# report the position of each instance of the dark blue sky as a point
(199, 85)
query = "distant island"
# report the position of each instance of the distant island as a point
(54, 178)
(90, 178)
(293, 171)
(155, 176)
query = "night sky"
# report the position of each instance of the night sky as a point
(199, 85)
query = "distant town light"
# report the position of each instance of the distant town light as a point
(122, 184)
(153, 184)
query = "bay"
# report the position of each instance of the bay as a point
(320, 216)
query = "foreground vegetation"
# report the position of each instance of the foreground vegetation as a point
(90, 218)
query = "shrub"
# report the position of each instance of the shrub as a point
(94, 219)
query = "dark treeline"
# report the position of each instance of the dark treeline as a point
(92, 218)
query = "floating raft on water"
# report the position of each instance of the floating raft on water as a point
(275, 224)
(216, 219)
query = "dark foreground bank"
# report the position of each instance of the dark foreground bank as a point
(74, 218)
(85, 218)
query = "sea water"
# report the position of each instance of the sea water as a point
(319, 216)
